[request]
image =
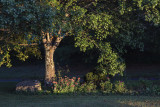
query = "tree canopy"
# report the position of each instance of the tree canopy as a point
(109, 26)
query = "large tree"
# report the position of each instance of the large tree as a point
(109, 26)
(27, 23)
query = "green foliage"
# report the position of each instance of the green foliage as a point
(91, 77)
(155, 90)
(30, 18)
(120, 87)
(5, 56)
(148, 8)
(87, 88)
(25, 16)
(96, 77)
(143, 86)
(106, 87)
(22, 20)
(106, 30)
(65, 85)
(108, 26)
(25, 21)
(109, 61)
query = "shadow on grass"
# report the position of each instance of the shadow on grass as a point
(8, 98)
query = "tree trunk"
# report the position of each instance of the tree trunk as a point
(49, 65)
(50, 45)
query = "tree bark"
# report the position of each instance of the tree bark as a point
(49, 65)
(50, 45)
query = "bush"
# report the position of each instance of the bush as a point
(91, 77)
(96, 78)
(143, 86)
(120, 87)
(65, 85)
(106, 87)
(155, 90)
(87, 87)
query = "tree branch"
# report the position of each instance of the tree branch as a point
(44, 40)
(48, 37)
(4, 29)
(86, 6)
(23, 44)
(56, 43)
(33, 44)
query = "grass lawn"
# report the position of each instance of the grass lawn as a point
(10, 99)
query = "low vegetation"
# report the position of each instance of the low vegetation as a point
(8, 98)
(73, 86)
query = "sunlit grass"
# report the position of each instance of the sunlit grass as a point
(143, 103)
